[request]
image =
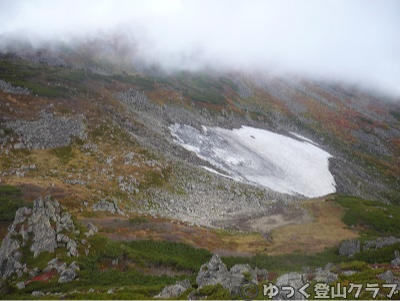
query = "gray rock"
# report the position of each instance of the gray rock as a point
(89, 233)
(92, 227)
(244, 269)
(8, 88)
(74, 266)
(21, 215)
(48, 131)
(62, 239)
(396, 261)
(173, 291)
(294, 280)
(65, 223)
(325, 275)
(215, 272)
(111, 207)
(349, 272)
(44, 235)
(9, 250)
(71, 247)
(9, 255)
(20, 285)
(37, 294)
(262, 274)
(19, 146)
(55, 264)
(34, 272)
(387, 276)
(349, 247)
(380, 242)
(36, 225)
(67, 275)
(212, 272)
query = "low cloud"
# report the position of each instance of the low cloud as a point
(354, 41)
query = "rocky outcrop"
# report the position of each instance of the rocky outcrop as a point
(387, 276)
(40, 225)
(55, 264)
(353, 246)
(10, 253)
(111, 207)
(48, 131)
(380, 242)
(8, 88)
(325, 275)
(45, 227)
(349, 247)
(294, 280)
(67, 275)
(175, 290)
(9, 256)
(215, 272)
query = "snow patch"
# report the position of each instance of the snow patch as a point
(303, 138)
(261, 157)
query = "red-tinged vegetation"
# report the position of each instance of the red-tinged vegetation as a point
(45, 277)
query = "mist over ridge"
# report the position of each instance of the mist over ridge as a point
(352, 42)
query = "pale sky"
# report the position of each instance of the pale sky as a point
(356, 41)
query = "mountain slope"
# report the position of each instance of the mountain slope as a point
(95, 133)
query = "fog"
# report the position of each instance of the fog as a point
(354, 41)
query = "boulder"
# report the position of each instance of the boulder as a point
(37, 294)
(396, 261)
(62, 239)
(173, 291)
(104, 205)
(213, 272)
(71, 247)
(387, 276)
(20, 285)
(325, 275)
(55, 264)
(92, 227)
(294, 280)
(67, 275)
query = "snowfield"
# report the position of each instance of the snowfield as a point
(261, 157)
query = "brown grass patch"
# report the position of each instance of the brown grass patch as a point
(325, 231)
